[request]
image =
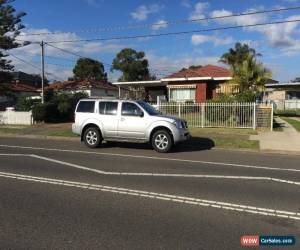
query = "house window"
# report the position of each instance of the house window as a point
(293, 95)
(182, 94)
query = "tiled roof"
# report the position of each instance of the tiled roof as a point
(19, 87)
(72, 85)
(205, 71)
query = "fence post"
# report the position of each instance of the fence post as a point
(179, 111)
(254, 116)
(202, 114)
(272, 115)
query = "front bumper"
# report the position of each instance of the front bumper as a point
(181, 135)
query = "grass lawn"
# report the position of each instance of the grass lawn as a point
(60, 129)
(227, 138)
(293, 122)
(206, 137)
(10, 129)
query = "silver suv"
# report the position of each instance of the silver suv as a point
(123, 120)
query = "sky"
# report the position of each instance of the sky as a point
(88, 19)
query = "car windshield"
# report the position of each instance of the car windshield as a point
(148, 108)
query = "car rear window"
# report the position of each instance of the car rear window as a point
(108, 108)
(86, 107)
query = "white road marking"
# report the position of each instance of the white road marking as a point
(264, 178)
(154, 158)
(158, 196)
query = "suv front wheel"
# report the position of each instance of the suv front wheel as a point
(162, 141)
(92, 137)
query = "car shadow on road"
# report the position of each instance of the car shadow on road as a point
(194, 144)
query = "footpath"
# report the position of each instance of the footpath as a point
(287, 140)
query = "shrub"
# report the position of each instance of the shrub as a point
(287, 112)
(25, 103)
(246, 96)
(46, 112)
(222, 98)
(39, 112)
(59, 108)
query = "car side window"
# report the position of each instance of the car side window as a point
(108, 108)
(86, 107)
(130, 109)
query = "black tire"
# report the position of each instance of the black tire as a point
(162, 141)
(92, 137)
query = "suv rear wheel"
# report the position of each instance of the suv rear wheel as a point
(162, 141)
(92, 137)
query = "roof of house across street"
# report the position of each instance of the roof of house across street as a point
(76, 84)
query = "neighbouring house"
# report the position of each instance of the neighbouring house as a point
(21, 85)
(92, 88)
(198, 84)
(17, 90)
(284, 95)
(282, 91)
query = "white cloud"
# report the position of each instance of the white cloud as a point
(199, 10)
(200, 39)
(283, 36)
(143, 11)
(161, 24)
(168, 65)
(32, 52)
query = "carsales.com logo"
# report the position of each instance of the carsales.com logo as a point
(255, 240)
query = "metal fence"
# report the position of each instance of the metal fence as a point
(221, 115)
(286, 104)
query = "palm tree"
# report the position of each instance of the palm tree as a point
(248, 73)
(238, 54)
(251, 74)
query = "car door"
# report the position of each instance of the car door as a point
(108, 116)
(132, 123)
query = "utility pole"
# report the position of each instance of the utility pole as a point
(42, 68)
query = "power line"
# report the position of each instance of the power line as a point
(158, 24)
(173, 33)
(80, 56)
(73, 53)
(31, 64)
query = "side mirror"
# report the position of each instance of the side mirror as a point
(141, 114)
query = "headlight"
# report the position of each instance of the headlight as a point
(178, 124)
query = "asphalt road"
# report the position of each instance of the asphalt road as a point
(62, 195)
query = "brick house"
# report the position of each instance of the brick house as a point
(198, 84)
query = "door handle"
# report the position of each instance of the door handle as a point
(122, 119)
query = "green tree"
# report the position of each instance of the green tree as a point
(132, 64)
(248, 72)
(89, 69)
(238, 55)
(10, 26)
(251, 74)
